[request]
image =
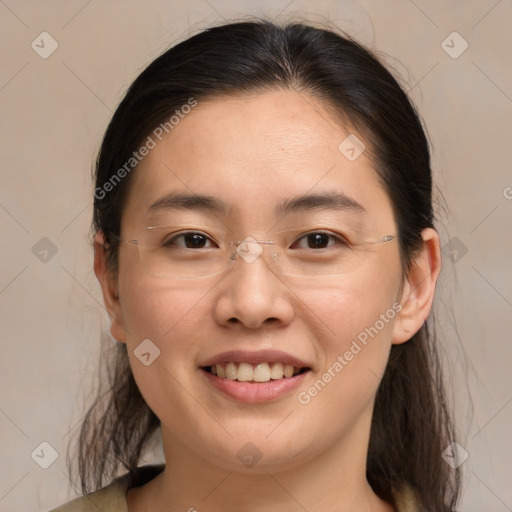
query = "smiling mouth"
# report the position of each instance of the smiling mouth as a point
(263, 372)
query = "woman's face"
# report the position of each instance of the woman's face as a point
(253, 153)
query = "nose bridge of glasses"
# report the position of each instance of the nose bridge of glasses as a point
(249, 249)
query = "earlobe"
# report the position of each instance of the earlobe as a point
(419, 288)
(109, 287)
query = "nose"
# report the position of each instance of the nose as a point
(253, 293)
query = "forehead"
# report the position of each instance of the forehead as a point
(254, 152)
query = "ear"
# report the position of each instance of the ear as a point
(418, 288)
(109, 286)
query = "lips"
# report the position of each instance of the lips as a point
(254, 367)
(255, 358)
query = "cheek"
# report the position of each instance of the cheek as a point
(354, 321)
(339, 311)
(172, 318)
(155, 309)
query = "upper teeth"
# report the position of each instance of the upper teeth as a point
(246, 372)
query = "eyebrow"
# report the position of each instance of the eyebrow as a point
(320, 201)
(307, 202)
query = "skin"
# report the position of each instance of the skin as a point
(252, 152)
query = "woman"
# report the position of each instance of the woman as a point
(265, 243)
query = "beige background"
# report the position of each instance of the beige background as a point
(54, 112)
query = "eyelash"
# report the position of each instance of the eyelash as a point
(340, 239)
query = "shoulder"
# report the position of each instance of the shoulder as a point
(113, 496)
(405, 500)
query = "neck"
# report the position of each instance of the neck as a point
(334, 480)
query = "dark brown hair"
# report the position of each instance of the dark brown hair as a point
(411, 424)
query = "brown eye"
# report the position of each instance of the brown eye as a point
(190, 240)
(319, 240)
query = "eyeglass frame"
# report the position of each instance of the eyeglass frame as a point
(236, 244)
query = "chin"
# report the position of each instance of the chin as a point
(255, 453)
